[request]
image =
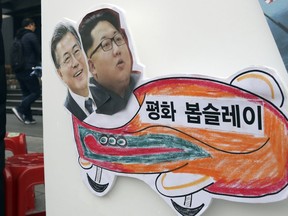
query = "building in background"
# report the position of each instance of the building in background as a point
(13, 12)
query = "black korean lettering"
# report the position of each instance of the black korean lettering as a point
(193, 113)
(211, 115)
(231, 114)
(167, 110)
(248, 115)
(259, 116)
(153, 109)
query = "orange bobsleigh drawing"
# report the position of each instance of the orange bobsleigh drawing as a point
(197, 135)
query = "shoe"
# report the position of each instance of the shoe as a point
(29, 121)
(18, 114)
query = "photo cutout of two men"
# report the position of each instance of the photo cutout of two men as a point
(97, 64)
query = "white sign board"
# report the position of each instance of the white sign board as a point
(215, 39)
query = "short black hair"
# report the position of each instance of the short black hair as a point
(60, 31)
(26, 22)
(91, 20)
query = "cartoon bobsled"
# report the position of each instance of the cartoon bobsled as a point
(197, 137)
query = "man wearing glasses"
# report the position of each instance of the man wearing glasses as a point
(71, 66)
(109, 59)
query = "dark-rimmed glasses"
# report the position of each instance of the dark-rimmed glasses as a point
(107, 44)
(68, 59)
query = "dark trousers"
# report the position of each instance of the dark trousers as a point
(31, 91)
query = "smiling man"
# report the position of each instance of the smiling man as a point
(109, 59)
(71, 66)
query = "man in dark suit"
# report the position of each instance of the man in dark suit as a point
(71, 66)
(110, 61)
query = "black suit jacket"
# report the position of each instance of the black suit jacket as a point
(74, 108)
(108, 102)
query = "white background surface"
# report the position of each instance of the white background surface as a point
(208, 37)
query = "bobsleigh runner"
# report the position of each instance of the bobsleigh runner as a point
(195, 138)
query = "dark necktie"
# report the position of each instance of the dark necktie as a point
(88, 105)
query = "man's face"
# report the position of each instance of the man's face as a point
(111, 68)
(73, 68)
(32, 27)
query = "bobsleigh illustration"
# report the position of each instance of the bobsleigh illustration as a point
(198, 138)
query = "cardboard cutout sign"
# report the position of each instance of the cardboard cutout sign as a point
(190, 138)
